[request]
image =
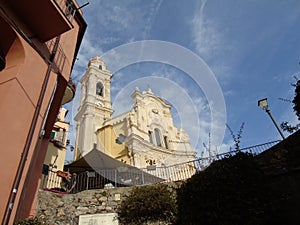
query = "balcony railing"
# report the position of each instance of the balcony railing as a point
(51, 180)
(60, 57)
(67, 7)
(58, 138)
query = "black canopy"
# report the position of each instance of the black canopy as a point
(93, 161)
(111, 169)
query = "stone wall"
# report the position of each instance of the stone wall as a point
(54, 208)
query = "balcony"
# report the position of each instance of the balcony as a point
(69, 93)
(58, 136)
(45, 18)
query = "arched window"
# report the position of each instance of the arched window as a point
(157, 137)
(99, 89)
(166, 142)
(150, 136)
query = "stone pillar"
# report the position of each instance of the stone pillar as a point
(87, 136)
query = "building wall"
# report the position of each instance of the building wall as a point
(56, 152)
(108, 141)
(19, 88)
(24, 44)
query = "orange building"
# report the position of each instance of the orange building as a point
(56, 153)
(38, 46)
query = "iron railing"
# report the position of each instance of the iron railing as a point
(97, 180)
(185, 170)
(67, 7)
(117, 178)
(60, 57)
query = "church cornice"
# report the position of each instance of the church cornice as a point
(94, 70)
(179, 142)
(133, 140)
(91, 109)
(139, 129)
(118, 119)
(103, 128)
(141, 96)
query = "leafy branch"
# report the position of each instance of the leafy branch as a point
(296, 102)
(209, 149)
(236, 138)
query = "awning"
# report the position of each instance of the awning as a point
(112, 169)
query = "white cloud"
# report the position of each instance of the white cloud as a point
(154, 8)
(205, 36)
(88, 50)
(107, 15)
(112, 23)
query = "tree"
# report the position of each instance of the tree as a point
(230, 191)
(154, 203)
(296, 101)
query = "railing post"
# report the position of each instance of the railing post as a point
(87, 180)
(143, 178)
(116, 183)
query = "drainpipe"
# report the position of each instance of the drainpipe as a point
(25, 152)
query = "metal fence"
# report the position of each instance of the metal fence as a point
(51, 180)
(60, 57)
(132, 176)
(176, 172)
(67, 7)
(185, 170)
(99, 179)
(255, 150)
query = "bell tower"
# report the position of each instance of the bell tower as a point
(95, 105)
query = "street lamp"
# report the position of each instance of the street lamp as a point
(263, 103)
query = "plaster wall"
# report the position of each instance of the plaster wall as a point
(27, 62)
(19, 90)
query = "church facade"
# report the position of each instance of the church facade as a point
(141, 137)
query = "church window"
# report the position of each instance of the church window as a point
(99, 89)
(120, 139)
(150, 136)
(166, 142)
(157, 137)
(100, 67)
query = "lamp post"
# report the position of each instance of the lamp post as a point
(263, 103)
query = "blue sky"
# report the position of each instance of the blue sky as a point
(250, 48)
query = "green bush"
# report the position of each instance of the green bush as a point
(230, 191)
(148, 204)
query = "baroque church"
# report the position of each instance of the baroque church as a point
(139, 137)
